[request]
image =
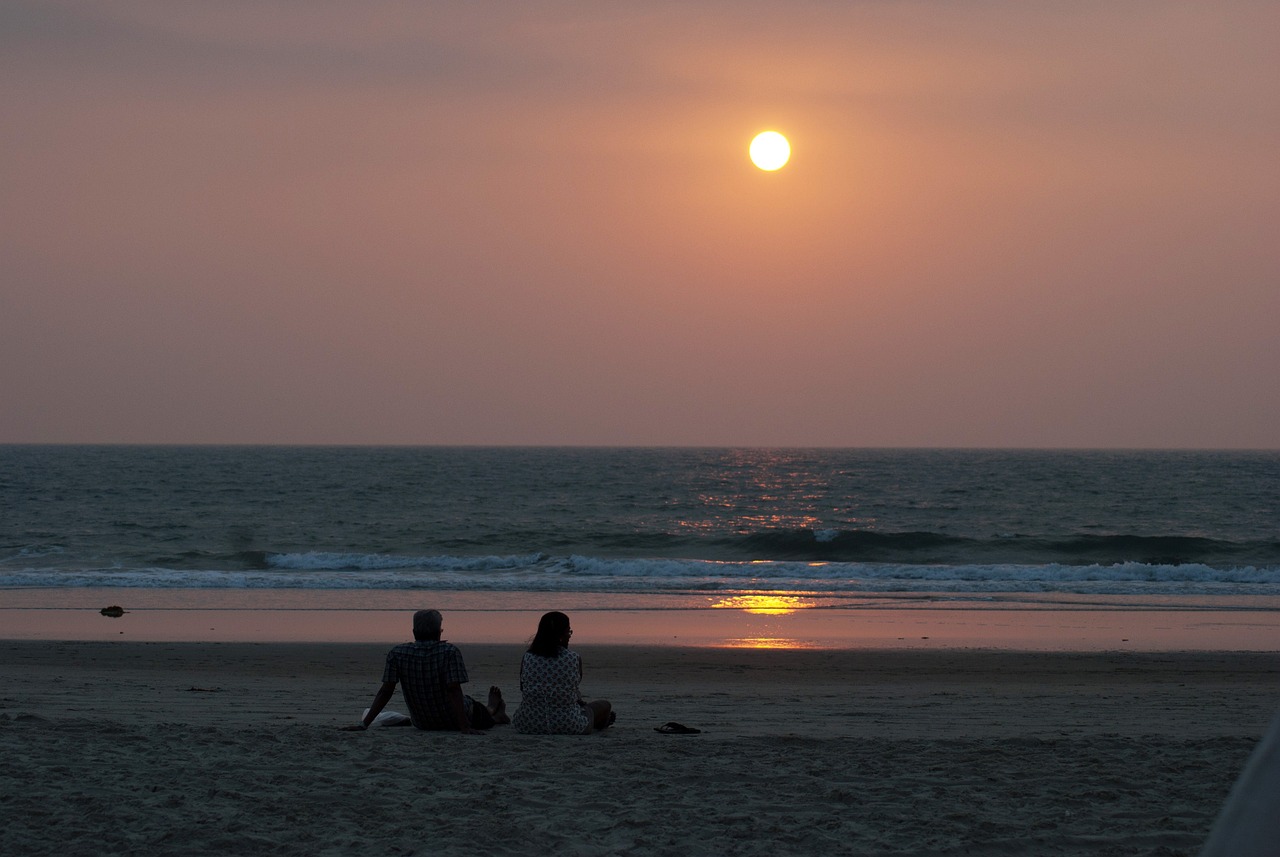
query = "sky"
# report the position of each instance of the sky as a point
(1004, 224)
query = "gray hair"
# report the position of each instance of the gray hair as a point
(427, 624)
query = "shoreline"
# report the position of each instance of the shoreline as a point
(707, 621)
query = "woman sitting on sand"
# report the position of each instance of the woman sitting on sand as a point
(550, 703)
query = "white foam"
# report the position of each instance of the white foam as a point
(538, 572)
(322, 561)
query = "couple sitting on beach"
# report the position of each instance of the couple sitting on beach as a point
(431, 673)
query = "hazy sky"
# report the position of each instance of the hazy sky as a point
(1005, 223)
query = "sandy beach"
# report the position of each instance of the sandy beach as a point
(198, 748)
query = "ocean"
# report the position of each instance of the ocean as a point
(648, 525)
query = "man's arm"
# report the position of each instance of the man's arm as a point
(454, 692)
(379, 702)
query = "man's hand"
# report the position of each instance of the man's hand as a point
(354, 727)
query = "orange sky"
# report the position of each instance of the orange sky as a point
(1004, 223)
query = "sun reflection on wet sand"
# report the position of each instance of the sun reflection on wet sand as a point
(768, 643)
(769, 635)
(768, 605)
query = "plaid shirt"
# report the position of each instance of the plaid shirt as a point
(424, 670)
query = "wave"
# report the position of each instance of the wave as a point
(578, 573)
(807, 545)
(932, 547)
(828, 545)
(322, 561)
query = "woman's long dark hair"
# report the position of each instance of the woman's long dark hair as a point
(551, 628)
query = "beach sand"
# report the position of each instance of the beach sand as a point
(202, 748)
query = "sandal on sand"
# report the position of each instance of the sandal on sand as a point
(674, 728)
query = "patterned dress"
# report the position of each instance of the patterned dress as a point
(549, 700)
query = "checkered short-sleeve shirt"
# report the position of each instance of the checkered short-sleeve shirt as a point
(424, 670)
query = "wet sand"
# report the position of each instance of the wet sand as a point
(1017, 623)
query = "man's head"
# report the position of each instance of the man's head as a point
(426, 625)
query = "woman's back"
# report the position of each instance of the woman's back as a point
(549, 702)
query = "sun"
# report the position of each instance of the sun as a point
(770, 151)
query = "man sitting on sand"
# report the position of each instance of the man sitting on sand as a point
(431, 674)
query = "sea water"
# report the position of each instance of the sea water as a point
(648, 526)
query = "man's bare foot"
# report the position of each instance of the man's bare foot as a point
(498, 706)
